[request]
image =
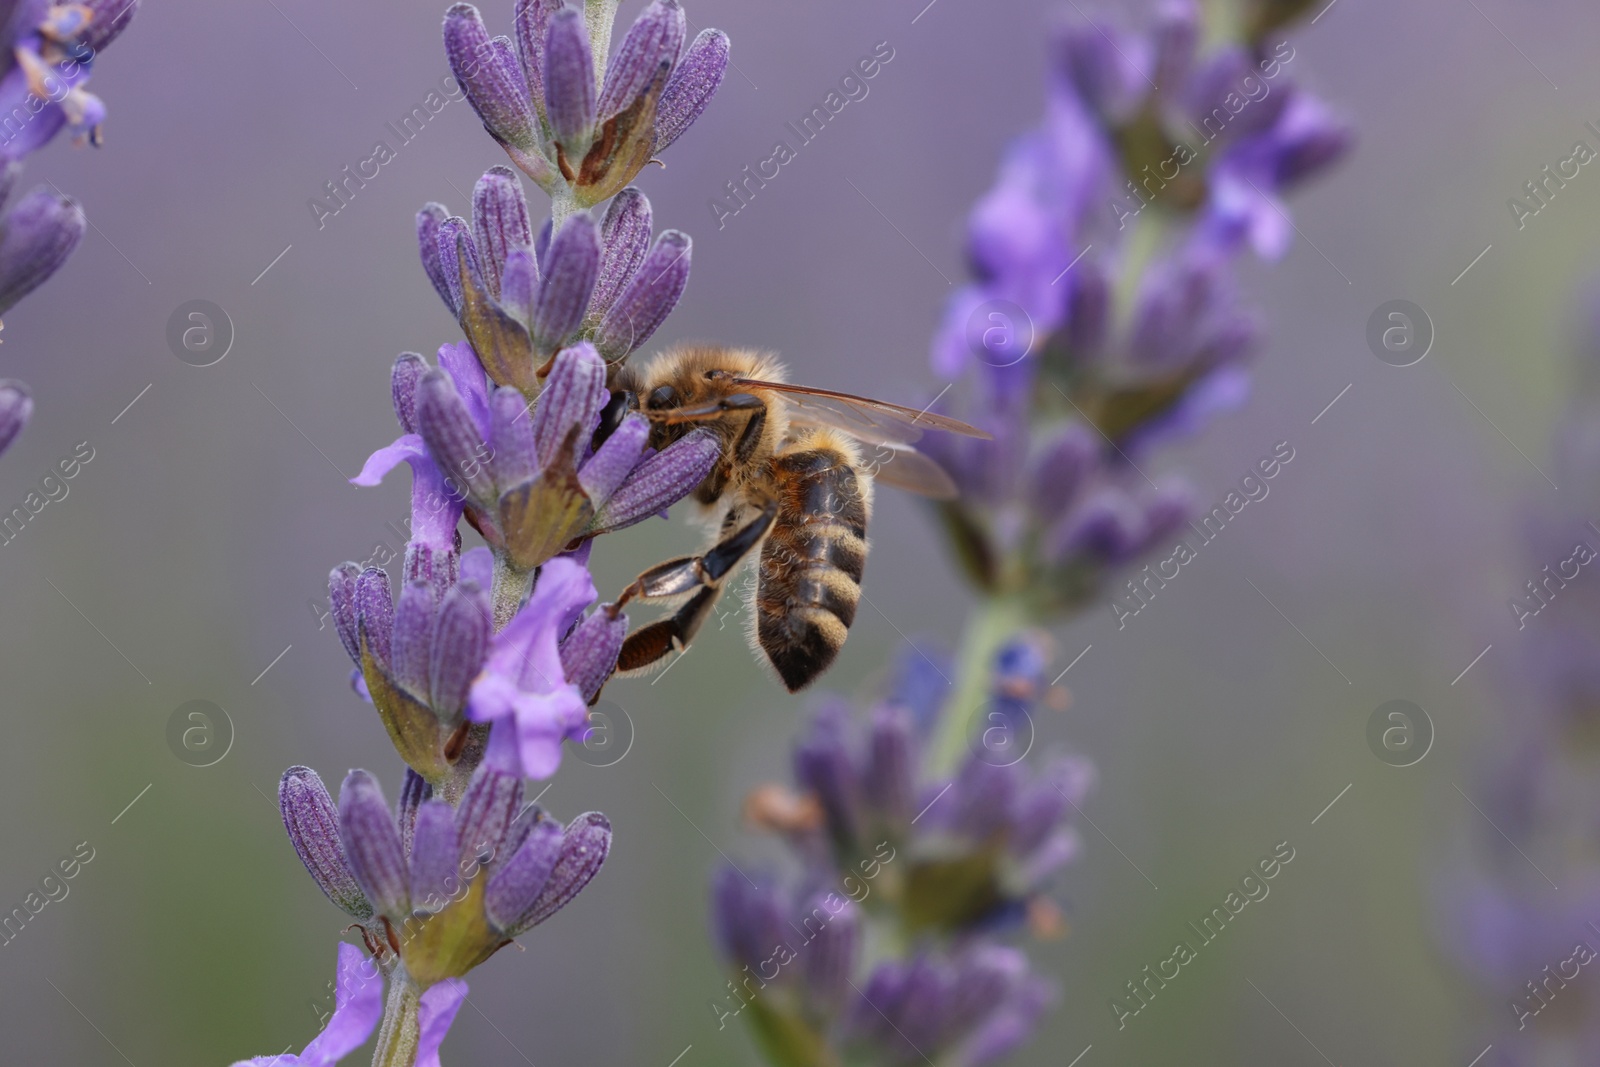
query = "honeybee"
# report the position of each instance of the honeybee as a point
(793, 483)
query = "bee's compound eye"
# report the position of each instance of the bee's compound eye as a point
(662, 396)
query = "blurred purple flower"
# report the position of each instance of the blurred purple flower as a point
(51, 50)
(970, 1008)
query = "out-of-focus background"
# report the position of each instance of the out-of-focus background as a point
(188, 561)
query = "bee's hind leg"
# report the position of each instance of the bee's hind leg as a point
(702, 576)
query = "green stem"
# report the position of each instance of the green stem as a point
(599, 16)
(511, 585)
(562, 205)
(995, 621)
(397, 1039)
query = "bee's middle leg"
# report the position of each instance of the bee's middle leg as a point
(702, 576)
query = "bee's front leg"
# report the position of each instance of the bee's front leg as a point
(699, 576)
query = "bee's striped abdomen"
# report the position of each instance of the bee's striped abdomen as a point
(811, 563)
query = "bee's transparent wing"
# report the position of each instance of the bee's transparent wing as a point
(908, 469)
(876, 422)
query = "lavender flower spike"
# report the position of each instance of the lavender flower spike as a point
(416, 657)
(518, 310)
(536, 492)
(538, 98)
(450, 893)
(16, 408)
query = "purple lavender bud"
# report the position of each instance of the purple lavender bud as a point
(429, 219)
(1088, 311)
(517, 883)
(519, 283)
(649, 298)
(982, 978)
(435, 566)
(541, 244)
(450, 237)
(571, 401)
(488, 808)
(569, 97)
(16, 408)
(107, 20)
(625, 240)
(532, 21)
(1058, 471)
(1214, 79)
(452, 437)
(342, 605)
(413, 792)
(36, 237)
(584, 847)
(1310, 139)
(1175, 300)
(1166, 511)
(435, 856)
(749, 920)
(1108, 525)
(1042, 807)
(312, 820)
(375, 613)
(614, 460)
(889, 783)
(408, 370)
(372, 844)
(656, 35)
(490, 75)
(499, 222)
(460, 642)
(570, 270)
(822, 765)
(1176, 32)
(660, 481)
(693, 83)
(589, 654)
(830, 957)
(413, 638)
(1095, 59)
(511, 438)
(1013, 1022)
(983, 797)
